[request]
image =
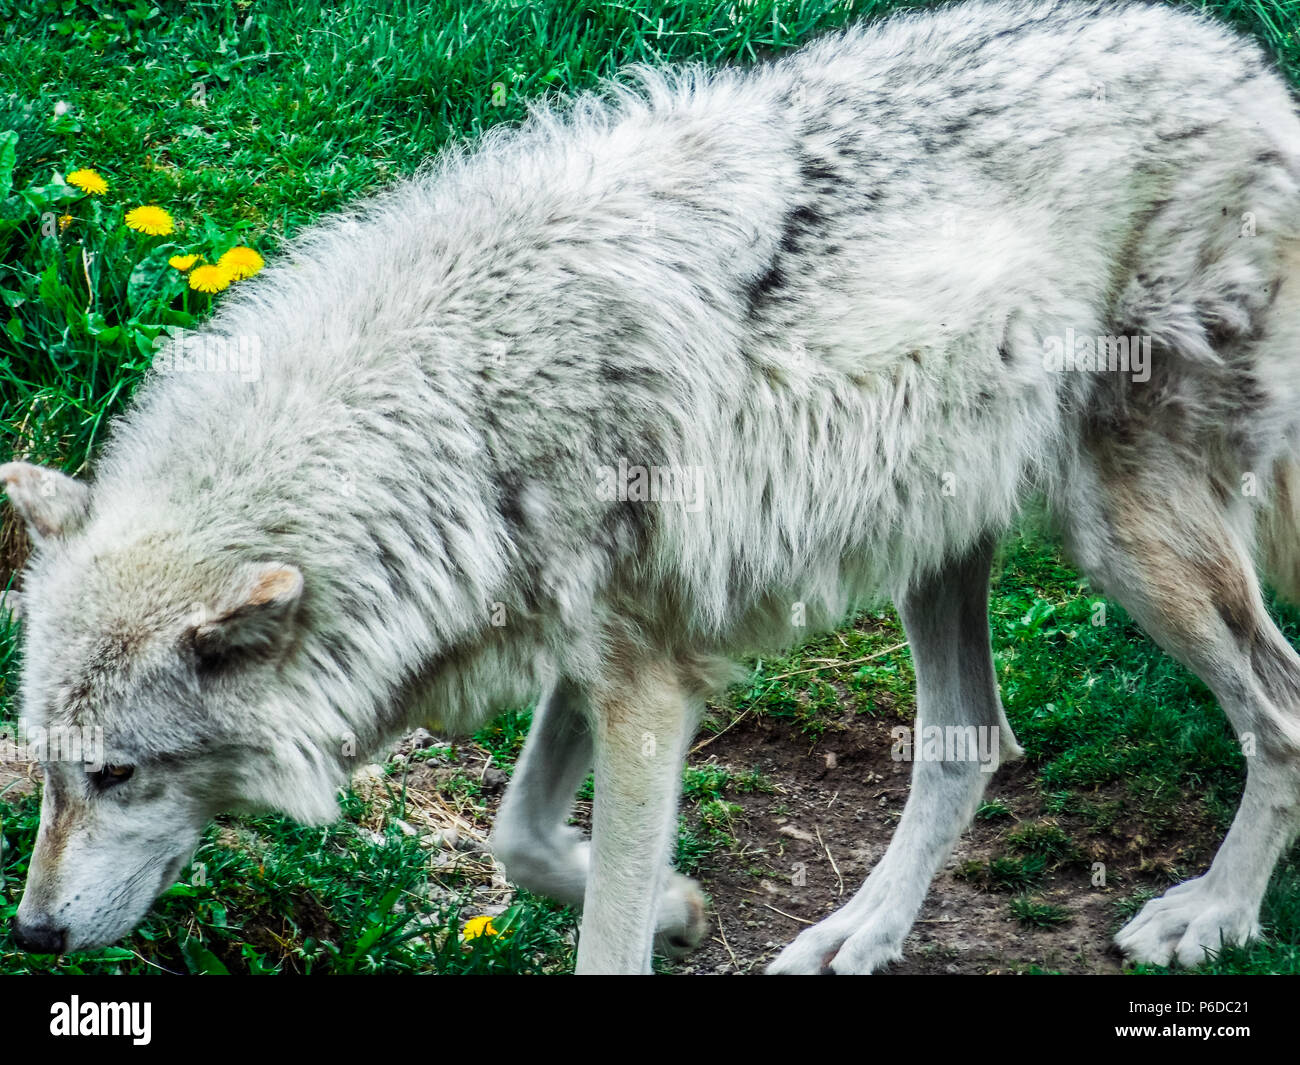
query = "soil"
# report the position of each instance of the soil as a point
(835, 807)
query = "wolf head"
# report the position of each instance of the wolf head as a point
(149, 676)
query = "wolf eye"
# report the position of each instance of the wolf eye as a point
(111, 775)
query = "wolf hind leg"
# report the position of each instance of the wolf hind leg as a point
(1152, 530)
(542, 853)
(946, 620)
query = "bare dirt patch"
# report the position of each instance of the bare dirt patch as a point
(803, 849)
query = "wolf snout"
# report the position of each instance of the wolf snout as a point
(39, 938)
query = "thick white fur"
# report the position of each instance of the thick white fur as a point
(823, 288)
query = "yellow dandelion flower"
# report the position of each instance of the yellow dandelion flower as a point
(151, 220)
(88, 181)
(242, 262)
(182, 262)
(65, 220)
(209, 278)
(478, 926)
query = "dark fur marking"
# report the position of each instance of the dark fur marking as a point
(509, 492)
(764, 289)
(1183, 134)
(1240, 622)
(801, 223)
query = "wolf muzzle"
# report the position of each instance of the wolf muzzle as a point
(39, 938)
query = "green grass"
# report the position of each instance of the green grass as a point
(1043, 839)
(249, 119)
(265, 895)
(992, 810)
(1034, 913)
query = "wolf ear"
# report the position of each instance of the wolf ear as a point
(51, 503)
(254, 616)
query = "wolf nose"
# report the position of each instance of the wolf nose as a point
(39, 938)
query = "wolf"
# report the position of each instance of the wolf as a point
(688, 368)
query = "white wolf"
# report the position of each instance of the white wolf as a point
(823, 301)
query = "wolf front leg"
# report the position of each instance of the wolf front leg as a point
(946, 618)
(545, 854)
(531, 838)
(642, 721)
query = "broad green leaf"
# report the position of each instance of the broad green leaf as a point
(146, 283)
(200, 960)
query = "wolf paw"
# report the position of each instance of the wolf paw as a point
(1183, 924)
(811, 952)
(683, 917)
(871, 947)
(845, 947)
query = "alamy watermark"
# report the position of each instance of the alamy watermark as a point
(90, 1018)
(1098, 354)
(58, 743)
(947, 743)
(190, 351)
(627, 483)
